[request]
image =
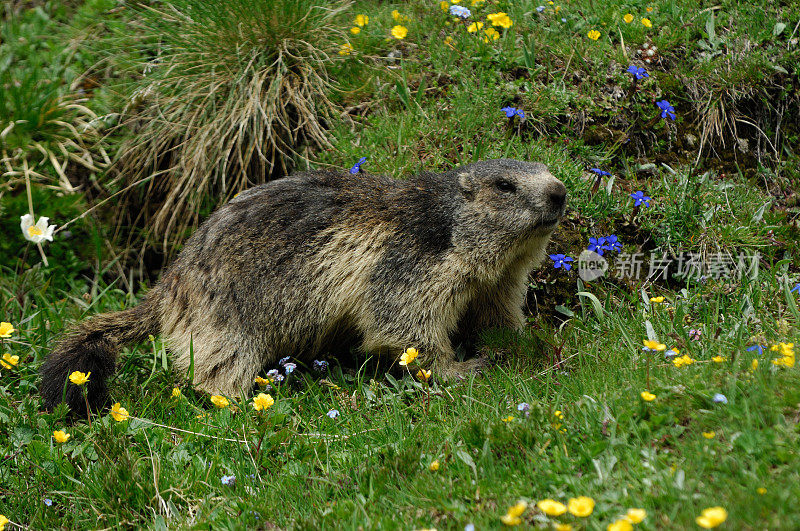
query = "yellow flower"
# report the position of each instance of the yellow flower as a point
(500, 19)
(711, 517)
(474, 27)
(3, 521)
(176, 393)
(476, 3)
(79, 378)
(718, 359)
(491, 33)
(682, 360)
(444, 5)
(581, 506)
(635, 516)
(399, 32)
(219, 401)
(649, 9)
(434, 466)
(761, 490)
(562, 527)
(119, 413)
(551, 507)
(646, 23)
(620, 525)
(410, 354)
(345, 49)
(396, 15)
(647, 397)
(361, 20)
(448, 40)
(754, 365)
(422, 374)
(263, 401)
(650, 345)
(558, 414)
(262, 381)
(61, 436)
(512, 516)
(656, 299)
(593, 34)
(709, 434)
(9, 361)
(509, 418)
(6, 329)
(628, 18)
(355, 30)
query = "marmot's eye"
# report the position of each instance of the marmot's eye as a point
(505, 186)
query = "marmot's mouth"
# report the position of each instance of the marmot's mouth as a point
(548, 222)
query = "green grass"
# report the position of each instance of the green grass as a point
(433, 105)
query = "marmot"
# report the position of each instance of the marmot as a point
(288, 267)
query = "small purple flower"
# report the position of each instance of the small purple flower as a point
(460, 11)
(612, 243)
(48, 502)
(719, 398)
(284, 361)
(272, 374)
(289, 367)
(695, 333)
(320, 365)
(667, 110)
(559, 260)
(600, 172)
(540, 9)
(357, 166)
(563, 20)
(597, 245)
(333, 413)
(639, 198)
(668, 355)
(511, 112)
(759, 348)
(638, 72)
(796, 288)
(523, 407)
(228, 480)
(278, 378)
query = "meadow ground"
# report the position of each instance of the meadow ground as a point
(705, 414)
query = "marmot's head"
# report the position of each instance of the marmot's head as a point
(510, 199)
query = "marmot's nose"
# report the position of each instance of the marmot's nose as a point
(557, 193)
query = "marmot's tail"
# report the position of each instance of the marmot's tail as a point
(92, 346)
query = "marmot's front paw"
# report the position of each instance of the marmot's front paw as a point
(459, 370)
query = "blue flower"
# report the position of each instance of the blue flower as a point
(523, 407)
(600, 172)
(357, 166)
(320, 365)
(283, 361)
(333, 413)
(469, 527)
(289, 367)
(563, 20)
(795, 288)
(511, 112)
(719, 398)
(48, 502)
(667, 110)
(228, 480)
(639, 198)
(638, 72)
(272, 373)
(540, 9)
(559, 260)
(597, 245)
(670, 354)
(612, 243)
(460, 11)
(278, 378)
(759, 348)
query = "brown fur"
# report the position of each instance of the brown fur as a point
(286, 267)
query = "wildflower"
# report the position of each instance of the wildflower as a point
(261, 381)
(600, 172)
(559, 260)
(653, 346)
(278, 378)
(551, 507)
(561, 527)
(9, 361)
(500, 19)
(119, 413)
(719, 398)
(647, 23)
(512, 516)
(36, 233)
(635, 516)
(284, 361)
(355, 30)
(3, 521)
(759, 348)
(597, 245)
(558, 414)
(709, 434)
(345, 49)
(333, 413)
(761, 490)
(647, 397)
(649, 9)
(683, 360)
(796, 288)
(263, 401)
(785, 361)
(638, 72)
(474, 27)
(272, 374)
(711, 517)
(61, 436)
(628, 18)
(434, 466)
(524, 407)
(6, 329)
(79, 378)
(397, 16)
(48, 502)
(754, 365)
(408, 356)
(219, 401)
(444, 5)
(470, 526)
(657, 299)
(399, 32)
(176, 393)
(509, 418)
(320, 365)
(718, 359)
(667, 110)
(593, 34)
(490, 33)
(612, 243)
(422, 374)
(639, 198)
(228, 480)
(620, 525)
(694, 334)
(460, 11)
(581, 506)
(361, 20)
(289, 367)
(540, 9)
(671, 353)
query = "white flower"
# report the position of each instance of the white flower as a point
(36, 233)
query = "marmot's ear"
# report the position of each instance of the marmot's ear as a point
(468, 185)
